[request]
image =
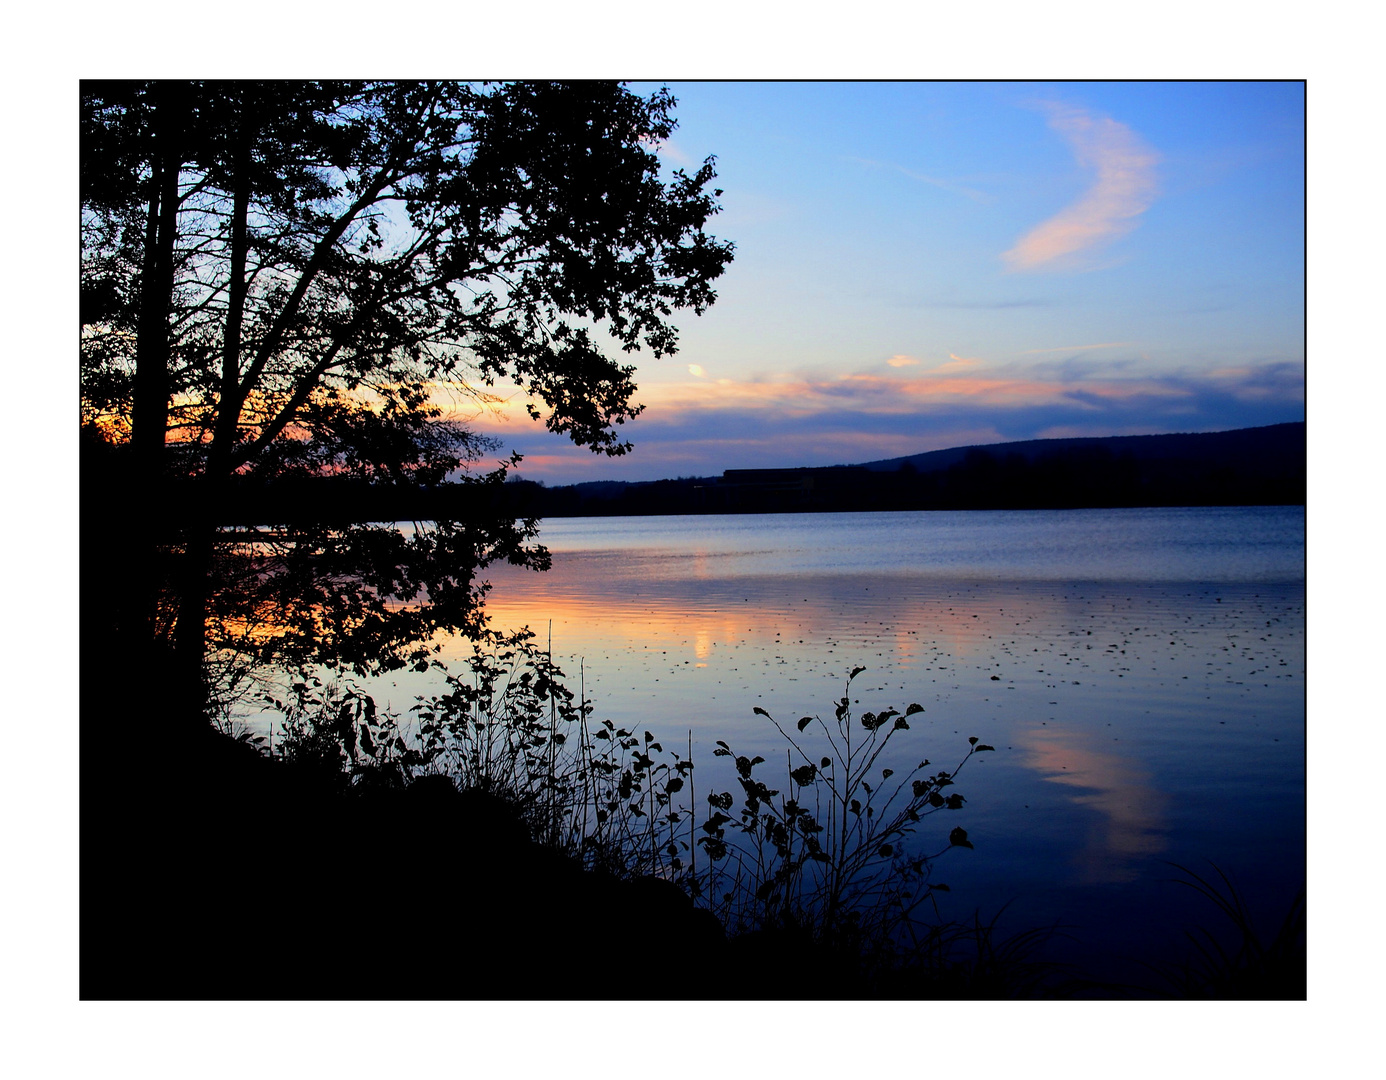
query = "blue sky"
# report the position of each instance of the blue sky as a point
(922, 265)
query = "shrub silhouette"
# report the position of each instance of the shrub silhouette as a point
(825, 865)
(507, 726)
(829, 858)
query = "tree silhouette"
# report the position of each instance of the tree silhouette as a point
(276, 280)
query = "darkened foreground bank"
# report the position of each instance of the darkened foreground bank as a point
(228, 876)
(213, 871)
(210, 870)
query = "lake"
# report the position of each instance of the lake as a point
(1140, 673)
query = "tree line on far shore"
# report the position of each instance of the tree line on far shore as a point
(1248, 467)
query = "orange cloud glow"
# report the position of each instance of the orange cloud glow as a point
(861, 392)
(701, 426)
(955, 363)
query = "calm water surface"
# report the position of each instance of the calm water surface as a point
(1140, 673)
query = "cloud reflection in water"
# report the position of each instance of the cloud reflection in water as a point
(1128, 824)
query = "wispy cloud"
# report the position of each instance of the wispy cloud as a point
(900, 360)
(1077, 348)
(667, 148)
(954, 363)
(1123, 188)
(952, 186)
(946, 185)
(967, 305)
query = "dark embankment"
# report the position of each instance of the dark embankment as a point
(209, 871)
(227, 878)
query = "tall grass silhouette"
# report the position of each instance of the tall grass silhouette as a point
(1235, 963)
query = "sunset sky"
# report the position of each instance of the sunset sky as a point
(925, 265)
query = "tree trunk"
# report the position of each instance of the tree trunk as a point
(149, 416)
(191, 629)
(135, 560)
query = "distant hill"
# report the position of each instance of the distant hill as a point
(1249, 466)
(1241, 448)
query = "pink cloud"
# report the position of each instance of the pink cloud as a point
(700, 427)
(891, 393)
(955, 363)
(1123, 188)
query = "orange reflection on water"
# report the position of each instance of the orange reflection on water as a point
(1128, 823)
(626, 603)
(597, 620)
(906, 645)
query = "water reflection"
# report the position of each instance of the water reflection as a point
(1128, 822)
(1226, 544)
(1135, 720)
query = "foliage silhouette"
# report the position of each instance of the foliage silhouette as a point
(830, 857)
(276, 280)
(508, 727)
(827, 869)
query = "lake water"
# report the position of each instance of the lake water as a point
(1140, 673)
